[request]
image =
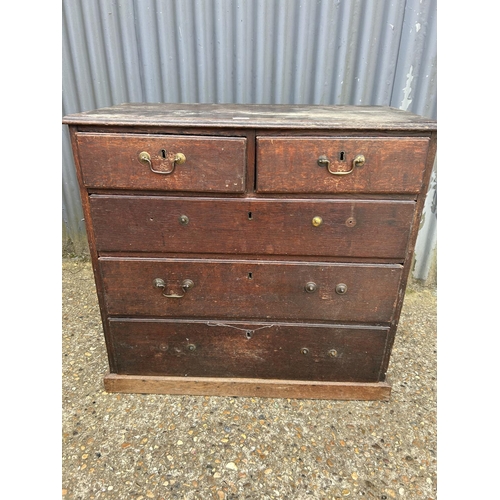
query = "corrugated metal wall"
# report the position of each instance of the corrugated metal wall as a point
(362, 52)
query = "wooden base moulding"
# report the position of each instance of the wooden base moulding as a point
(247, 387)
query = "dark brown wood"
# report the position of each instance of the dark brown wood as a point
(212, 163)
(411, 249)
(258, 116)
(251, 289)
(349, 228)
(262, 388)
(265, 280)
(392, 165)
(218, 349)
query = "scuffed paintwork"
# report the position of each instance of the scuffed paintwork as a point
(405, 103)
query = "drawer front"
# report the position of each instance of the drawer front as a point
(278, 351)
(114, 161)
(319, 228)
(290, 165)
(250, 289)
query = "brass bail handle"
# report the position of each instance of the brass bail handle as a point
(178, 158)
(186, 285)
(358, 161)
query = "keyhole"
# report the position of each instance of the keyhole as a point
(250, 276)
(163, 154)
(248, 334)
(250, 216)
(342, 156)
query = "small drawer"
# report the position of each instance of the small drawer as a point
(162, 162)
(340, 165)
(180, 288)
(338, 228)
(255, 350)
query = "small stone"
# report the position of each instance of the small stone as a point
(217, 475)
(329, 462)
(345, 493)
(150, 494)
(231, 466)
(391, 493)
(110, 488)
(85, 456)
(64, 492)
(179, 443)
(354, 475)
(170, 458)
(221, 495)
(401, 491)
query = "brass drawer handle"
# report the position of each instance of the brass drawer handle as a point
(185, 286)
(178, 158)
(359, 161)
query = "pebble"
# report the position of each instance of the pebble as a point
(231, 466)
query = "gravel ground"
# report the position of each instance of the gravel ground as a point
(121, 446)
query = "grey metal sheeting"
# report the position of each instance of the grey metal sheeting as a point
(243, 51)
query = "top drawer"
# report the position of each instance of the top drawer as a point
(290, 164)
(162, 162)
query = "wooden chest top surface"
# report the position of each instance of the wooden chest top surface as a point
(268, 116)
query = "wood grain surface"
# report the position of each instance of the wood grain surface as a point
(252, 387)
(348, 228)
(250, 289)
(290, 165)
(264, 116)
(212, 163)
(213, 348)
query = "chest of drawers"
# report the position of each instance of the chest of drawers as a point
(251, 250)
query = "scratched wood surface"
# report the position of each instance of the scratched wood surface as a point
(263, 116)
(250, 289)
(348, 228)
(290, 165)
(215, 349)
(212, 163)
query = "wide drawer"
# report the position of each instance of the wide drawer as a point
(250, 289)
(210, 163)
(351, 228)
(290, 165)
(256, 350)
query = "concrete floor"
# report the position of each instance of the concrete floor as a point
(132, 446)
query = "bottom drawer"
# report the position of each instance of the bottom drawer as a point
(256, 350)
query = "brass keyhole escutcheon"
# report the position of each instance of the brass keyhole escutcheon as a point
(317, 221)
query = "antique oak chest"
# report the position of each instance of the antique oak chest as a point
(252, 250)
